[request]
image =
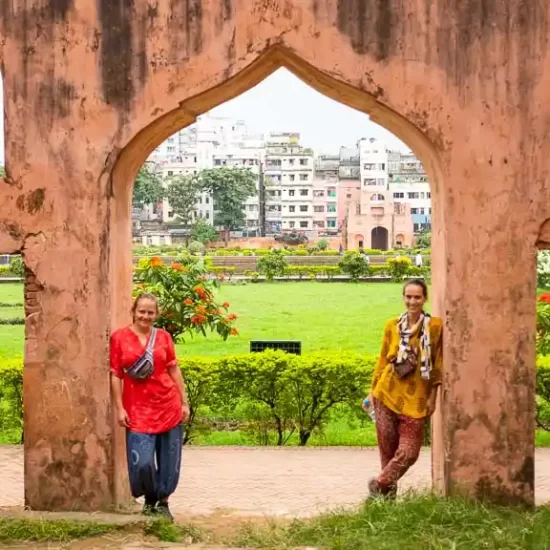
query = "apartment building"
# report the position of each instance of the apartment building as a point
(373, 158)
(289, 168)
(408, 184)
(325, 195)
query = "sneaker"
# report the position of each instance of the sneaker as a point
(149, 509)
(164, 511)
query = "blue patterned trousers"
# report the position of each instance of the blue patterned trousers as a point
(154, 462)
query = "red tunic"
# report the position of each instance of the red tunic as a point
(154, 404)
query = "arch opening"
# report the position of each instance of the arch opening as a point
(138, 150)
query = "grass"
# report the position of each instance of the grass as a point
(423, 522)
(323, 316)
(416, 522)
(45, 530)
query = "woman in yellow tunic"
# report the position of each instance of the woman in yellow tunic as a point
(404, 386)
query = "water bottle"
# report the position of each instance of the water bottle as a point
(370, 409)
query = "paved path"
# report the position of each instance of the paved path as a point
(268, 481)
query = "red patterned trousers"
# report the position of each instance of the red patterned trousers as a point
(399, 441)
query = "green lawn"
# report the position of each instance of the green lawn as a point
(335, 316)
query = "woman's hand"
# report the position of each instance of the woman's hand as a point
(432, 402)
(123, 418)
(364, 407)
(185, 413)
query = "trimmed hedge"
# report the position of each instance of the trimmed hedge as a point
(263, 393)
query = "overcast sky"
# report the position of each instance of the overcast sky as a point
(282, 102)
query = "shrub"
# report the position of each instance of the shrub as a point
(543, 269)
(196, 247)
(543, 393)
(186, 297)
(543, 324)
(354, 265)
(269, 391)
(17, 266)
(399, 267)
(254, 275)
(272, 264)
(322, 244)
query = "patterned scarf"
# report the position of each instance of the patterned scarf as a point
(405, 333)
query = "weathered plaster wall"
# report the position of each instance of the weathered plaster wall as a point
(92, 87)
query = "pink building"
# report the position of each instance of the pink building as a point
(375, 221)
(349, 192)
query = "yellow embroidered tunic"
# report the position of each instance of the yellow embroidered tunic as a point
(407, 396)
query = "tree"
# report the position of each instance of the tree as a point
(424, 240)
(543, 269)
(183, 194)
(148, 188)
(2, 172)
(230, 187)
(203, 232)
(272, 264)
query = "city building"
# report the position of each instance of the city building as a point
(373, 158)
(289, 168)
(325, 195)
(408, 184)
(378, 222)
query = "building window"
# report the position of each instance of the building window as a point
(303, 225)
(319, 224)
(291, 224)
(318, 193)
(399, 195)
(348, 196)
(170, 173)
(414, 195)
(318, 208)
(378, 197)
(291, 162)
(429, 195)
(331, 208)
(207, 215)
(170, 214)
(331, 224)
(171, 149)
(369, 181)
(292, 209)
(291, 193)
(303, 177)
(292, 177)
(332, 193)
(414, 210)
(303, 162)
(304, 192)
(217, 162)
(303, 208)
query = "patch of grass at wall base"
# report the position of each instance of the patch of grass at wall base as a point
(412, 523)
(33, 530)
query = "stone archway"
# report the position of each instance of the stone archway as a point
(102, 83)
(379, 238)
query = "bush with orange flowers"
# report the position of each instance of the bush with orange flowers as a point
(186, 297)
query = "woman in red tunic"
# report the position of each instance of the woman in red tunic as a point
(151, 404)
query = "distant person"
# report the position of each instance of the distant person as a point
(418, 260)
(404, 387)
(340, 249)
(151, 404)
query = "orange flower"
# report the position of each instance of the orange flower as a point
(231, 316)
(201, 292)
(187, 302)
(545, 298)
(225, 305)
(177, 267)
(198, 319)
(201, 310)
(234, 332)
(156, 262)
